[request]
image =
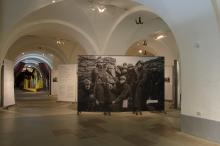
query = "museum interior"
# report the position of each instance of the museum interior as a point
(109, 72)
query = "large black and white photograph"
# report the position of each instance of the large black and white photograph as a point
(120, 83)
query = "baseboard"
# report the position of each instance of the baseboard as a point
(199, 127)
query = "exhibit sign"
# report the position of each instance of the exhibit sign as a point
(54, 82)
(67, 83)
(120, 83)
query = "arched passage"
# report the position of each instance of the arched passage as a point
(32, 75)
(36, 34)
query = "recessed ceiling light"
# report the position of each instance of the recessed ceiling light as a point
(53, 1)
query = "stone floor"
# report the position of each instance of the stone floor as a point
(45, 122)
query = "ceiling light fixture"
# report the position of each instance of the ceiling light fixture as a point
(97, 5)
(101, 8)
(142, 49)
(53, 1)
(60, 42)
(159, 36)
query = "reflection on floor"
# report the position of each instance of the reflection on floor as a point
(45, 122)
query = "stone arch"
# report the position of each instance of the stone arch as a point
(84, 39)
(34, 56)
(123, 18)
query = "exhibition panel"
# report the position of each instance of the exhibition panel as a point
(8, 93)
(120, 83)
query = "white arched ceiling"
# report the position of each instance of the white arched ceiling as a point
(90, 28)
(68, 19)
(14, 11)
(35, 44)
(81, 37)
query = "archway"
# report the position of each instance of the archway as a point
(51, 51)
(32, 73)
(152, 37)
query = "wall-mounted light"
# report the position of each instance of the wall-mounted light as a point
(22, 53)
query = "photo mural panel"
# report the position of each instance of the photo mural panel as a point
(120, 83)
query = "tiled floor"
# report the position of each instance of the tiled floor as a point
(44, 122)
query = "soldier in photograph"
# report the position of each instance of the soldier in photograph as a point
(99, 79)
(108, 89)
(124, 69)
(123, 91)
(139, 92)
(131, 80)
(87, 100)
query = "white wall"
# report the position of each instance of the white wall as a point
(9, 97)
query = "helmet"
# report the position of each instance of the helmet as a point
(130, 65)
(125, 65)
(87, 82)
(140, 62)
(122, 77)
(109, 66)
